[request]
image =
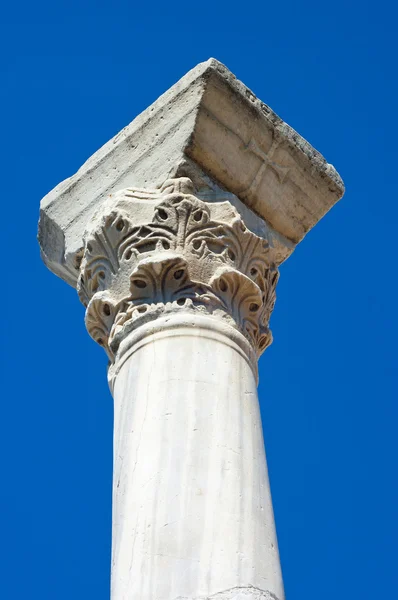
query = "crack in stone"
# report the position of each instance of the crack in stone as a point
(236, 593)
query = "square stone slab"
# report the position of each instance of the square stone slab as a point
(211, 127)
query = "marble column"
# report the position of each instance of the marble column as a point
(179, 280)
(179, 293)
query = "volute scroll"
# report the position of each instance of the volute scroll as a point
(151, 252)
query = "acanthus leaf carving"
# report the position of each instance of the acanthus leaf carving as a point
(148, 252)
(100, 315)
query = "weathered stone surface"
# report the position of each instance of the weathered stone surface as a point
(172, 234)
(192, 509)
(213, 129)
(237, 593)
(154, 252)
(179, 292)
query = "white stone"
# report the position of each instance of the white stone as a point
(179, 292)
(192, 511)
(210, 127)
(172, 234)
(149, 252)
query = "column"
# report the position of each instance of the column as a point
(172, 233)
(179, 293)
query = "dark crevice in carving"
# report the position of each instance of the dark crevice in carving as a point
(181, 260)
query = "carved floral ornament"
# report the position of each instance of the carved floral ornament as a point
(148, 253)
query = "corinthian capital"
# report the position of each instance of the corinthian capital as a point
(148, 253)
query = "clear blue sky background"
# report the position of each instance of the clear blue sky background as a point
(72, 75)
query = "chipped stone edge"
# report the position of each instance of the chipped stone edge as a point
(293, 139)
(203, 70)
(193, 76)
(253, 593)
(327, 174)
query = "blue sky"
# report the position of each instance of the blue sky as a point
(72, 75)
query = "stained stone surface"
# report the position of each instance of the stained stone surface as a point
(172, 234)
(154, 252)
(192, 509)
(210, 127)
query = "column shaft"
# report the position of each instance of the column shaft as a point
(192, 512)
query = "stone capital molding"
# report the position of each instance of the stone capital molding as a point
(209, 126)
(148, 253)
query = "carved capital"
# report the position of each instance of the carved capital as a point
(152, 252)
